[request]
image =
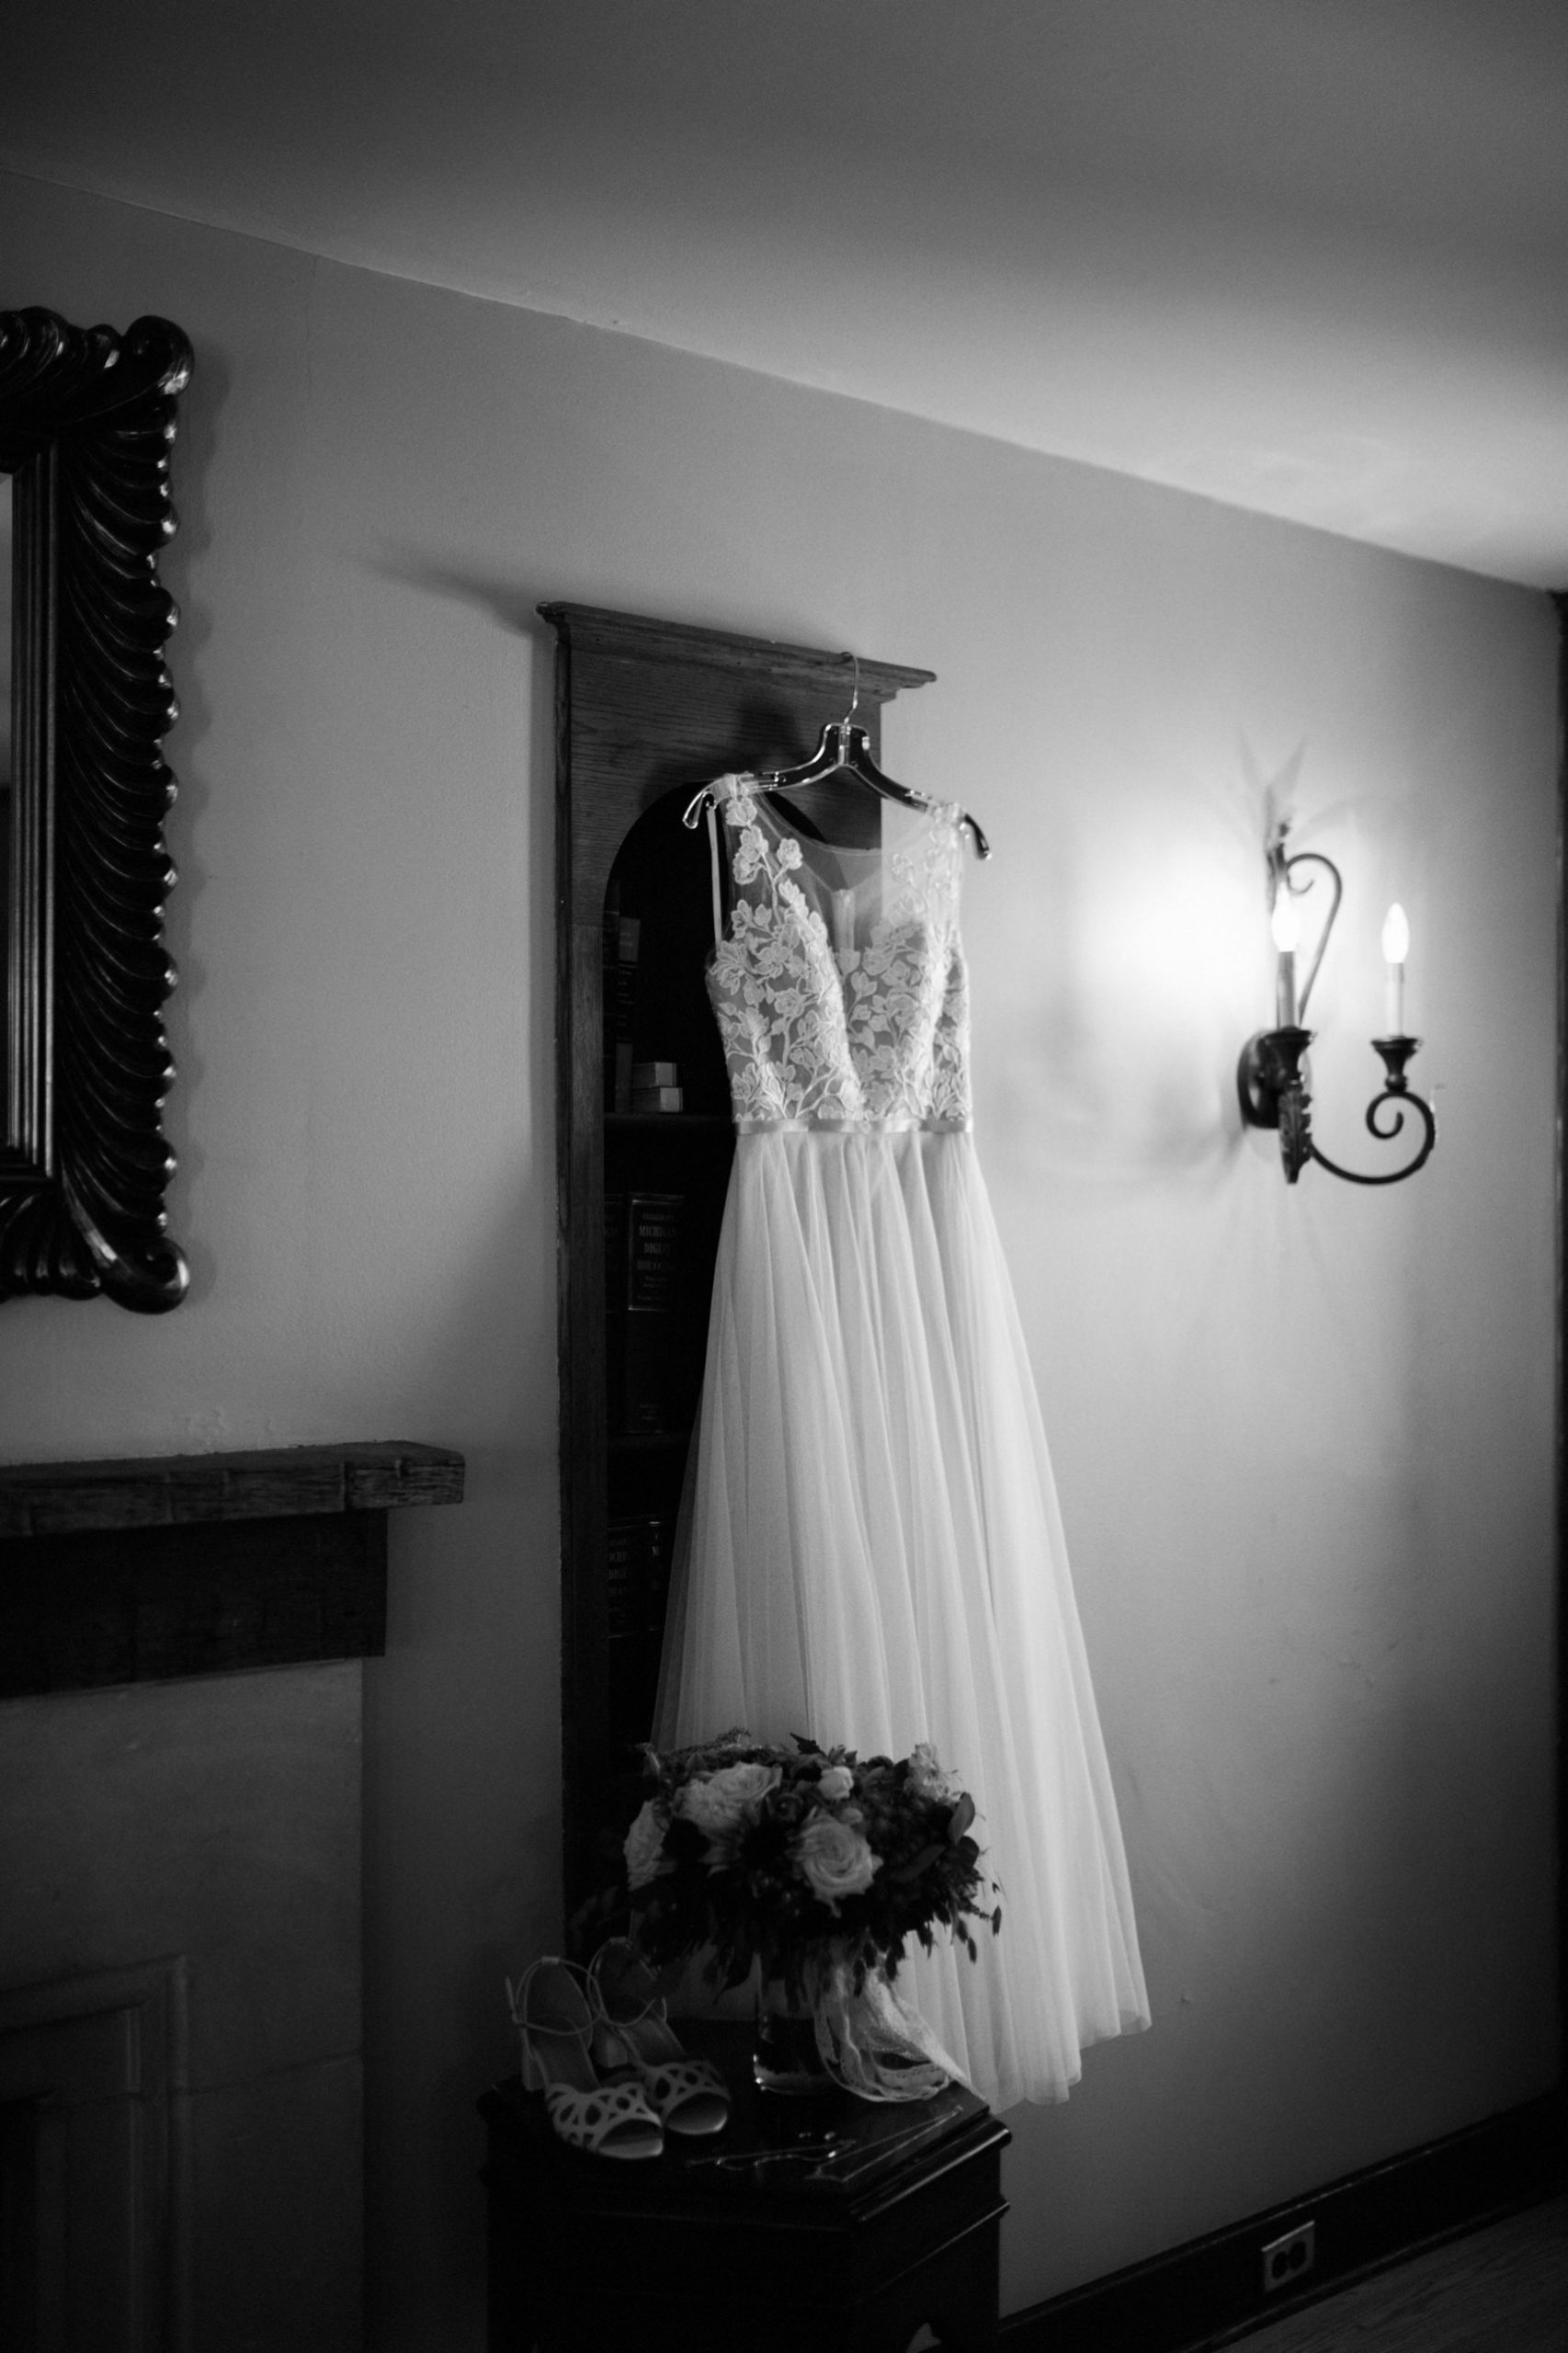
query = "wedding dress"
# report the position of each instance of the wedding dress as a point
(871, 1551)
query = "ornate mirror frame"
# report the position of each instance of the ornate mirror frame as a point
(86, 419)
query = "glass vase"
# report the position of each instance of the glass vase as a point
(784, 2057)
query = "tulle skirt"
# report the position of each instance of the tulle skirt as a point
(871, 1554)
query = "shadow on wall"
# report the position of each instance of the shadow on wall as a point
(1125, 985)
(506, 600)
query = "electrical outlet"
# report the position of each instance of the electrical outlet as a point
(1289, 2257)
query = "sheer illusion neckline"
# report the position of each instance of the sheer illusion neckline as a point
(838, 978)
(912, 823)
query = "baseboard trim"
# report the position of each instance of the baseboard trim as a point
(1210, 2290)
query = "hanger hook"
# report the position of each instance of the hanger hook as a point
(855, 696)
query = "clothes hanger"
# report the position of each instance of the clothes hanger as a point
(844, 749)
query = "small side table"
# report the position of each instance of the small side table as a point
(772, 2252)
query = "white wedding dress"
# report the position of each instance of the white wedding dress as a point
(871, 1551)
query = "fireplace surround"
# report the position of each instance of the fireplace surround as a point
(181, 1641)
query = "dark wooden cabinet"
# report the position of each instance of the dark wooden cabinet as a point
(647, 711)
(759, 2253)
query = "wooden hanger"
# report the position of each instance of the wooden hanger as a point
(845, 749)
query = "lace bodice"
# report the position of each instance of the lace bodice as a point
(839, 985)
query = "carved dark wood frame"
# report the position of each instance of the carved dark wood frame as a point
(86, 418)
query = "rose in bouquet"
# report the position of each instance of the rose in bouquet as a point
(803, 1860)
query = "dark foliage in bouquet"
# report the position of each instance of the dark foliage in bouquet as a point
(799, 1857)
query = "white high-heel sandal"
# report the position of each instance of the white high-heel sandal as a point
(555, 2029)
(632, 2032)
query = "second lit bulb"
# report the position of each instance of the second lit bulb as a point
(1285, 923)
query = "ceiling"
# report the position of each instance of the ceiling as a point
(1308, 256)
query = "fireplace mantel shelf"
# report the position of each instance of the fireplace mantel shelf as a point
(177, 1564)
(180, 1490)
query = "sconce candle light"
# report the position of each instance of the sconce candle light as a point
(1270, 1078)
(1285, 924)
(1396, 948)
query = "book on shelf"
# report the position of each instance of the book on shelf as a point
(660, 1552)
(625, 1624)
(637, 1586)
(625, 1582)
(651, 1388)
(655, 1087)
(654, 1224)
(644, 1234)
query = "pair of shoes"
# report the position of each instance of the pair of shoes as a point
(633, 2037)
(555, 2029)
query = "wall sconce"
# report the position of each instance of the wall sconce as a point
(1268, 1077)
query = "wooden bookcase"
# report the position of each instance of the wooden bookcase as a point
(646, 712)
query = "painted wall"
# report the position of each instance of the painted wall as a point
(1303, 1438)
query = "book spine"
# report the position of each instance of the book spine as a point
(637, 1592)
(625, 1610)
(661, 1548)
(653, 1223)
(626, 1628)
(650, 1385)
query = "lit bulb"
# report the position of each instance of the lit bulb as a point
(1285, 923)
(1396, 948)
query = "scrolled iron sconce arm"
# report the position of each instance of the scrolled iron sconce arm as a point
(1273, 1094)
(1281, 866)
(1270, 1083)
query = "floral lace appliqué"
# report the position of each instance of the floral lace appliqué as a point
(857, 1038)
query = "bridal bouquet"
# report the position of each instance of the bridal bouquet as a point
(806, 1860)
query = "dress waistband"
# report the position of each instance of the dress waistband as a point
(897, 1126)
